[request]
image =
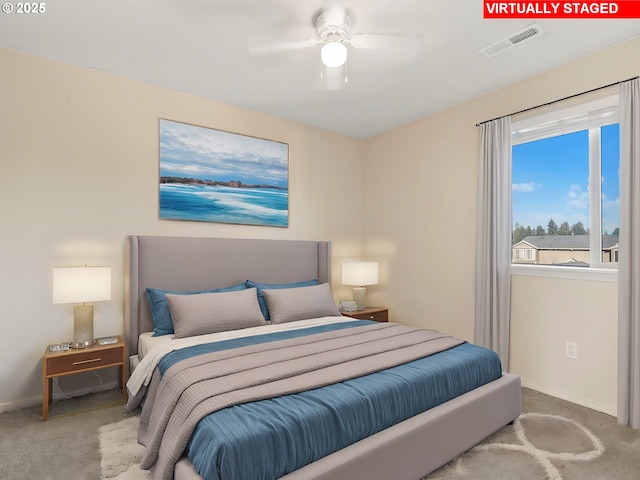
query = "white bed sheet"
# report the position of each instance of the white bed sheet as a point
(160, 346)
(146, 342)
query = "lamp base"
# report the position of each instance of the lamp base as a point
(359, 294)
(82, 326)
(86, 344)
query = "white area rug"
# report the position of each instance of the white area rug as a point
(535, 451)
(120, 452)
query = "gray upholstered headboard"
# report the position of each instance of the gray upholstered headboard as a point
(189, 263)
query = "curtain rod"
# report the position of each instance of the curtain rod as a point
(558, 100)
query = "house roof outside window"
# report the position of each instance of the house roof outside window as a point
(564, 242)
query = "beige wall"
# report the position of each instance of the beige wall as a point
(79, 169)
(420, 209)
(584, 312)
(79, 158)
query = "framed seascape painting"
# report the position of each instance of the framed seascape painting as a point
(209, 175)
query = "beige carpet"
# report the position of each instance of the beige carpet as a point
(64, 447)
(562, 442)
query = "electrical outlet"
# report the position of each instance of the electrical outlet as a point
(571, 350)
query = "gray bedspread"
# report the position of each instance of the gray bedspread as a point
(195, 387)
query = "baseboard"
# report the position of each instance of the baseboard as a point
(37, 400)
(570, 397)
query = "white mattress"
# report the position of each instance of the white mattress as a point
(146, 341)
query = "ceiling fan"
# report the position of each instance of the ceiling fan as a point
(333, 32)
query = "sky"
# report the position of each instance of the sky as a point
(550, 179)
(197, 152)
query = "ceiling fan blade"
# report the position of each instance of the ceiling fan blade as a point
(387, 41)
(266, 48)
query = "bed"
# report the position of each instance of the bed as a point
(409, 449)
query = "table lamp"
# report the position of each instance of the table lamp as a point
(360, 274)
(81, 285)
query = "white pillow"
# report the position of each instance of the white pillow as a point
(301, 303)
(204, 313)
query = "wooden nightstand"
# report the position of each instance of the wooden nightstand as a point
(95, 357)
(377, 314)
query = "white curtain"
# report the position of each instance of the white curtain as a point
(493, 242)
(629, 259)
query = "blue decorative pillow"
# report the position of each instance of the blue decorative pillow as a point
(268, 286)
(162, 323)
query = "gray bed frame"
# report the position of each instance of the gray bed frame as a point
(408, 450)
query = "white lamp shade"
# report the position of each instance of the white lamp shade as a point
(333, 54)
(81, 284)
(360, 273)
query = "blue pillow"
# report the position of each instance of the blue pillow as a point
(267, 286)
(162, 323)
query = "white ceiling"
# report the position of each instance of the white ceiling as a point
(199, 46)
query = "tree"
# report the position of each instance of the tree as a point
(564, 229)
(616, 231)
(578, 229)
(519, 233)
(552, 227)
(540, 230)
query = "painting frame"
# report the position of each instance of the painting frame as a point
(213, 175)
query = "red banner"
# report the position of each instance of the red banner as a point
(520, 9)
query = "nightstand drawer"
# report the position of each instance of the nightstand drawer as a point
(376, 316)
(370, 313)
(84, 361)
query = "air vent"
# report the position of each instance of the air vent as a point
(512, 40)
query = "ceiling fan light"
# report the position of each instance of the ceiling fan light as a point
(333, 54)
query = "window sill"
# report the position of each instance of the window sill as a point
(571, 273)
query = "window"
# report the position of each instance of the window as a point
(565, 187)
(527, 255)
